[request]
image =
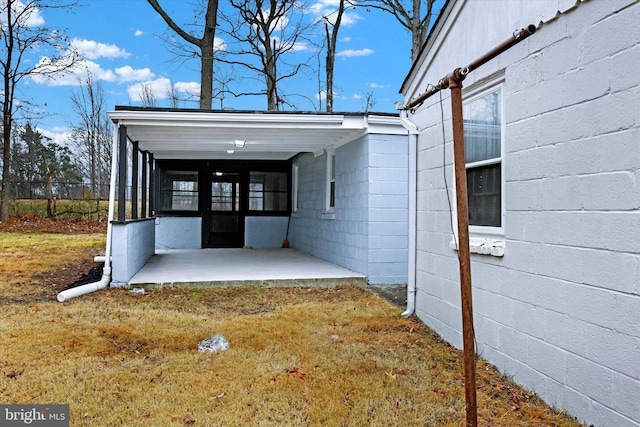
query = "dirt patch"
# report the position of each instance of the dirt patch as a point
(76, 273)
(395, 294)
(29, 224)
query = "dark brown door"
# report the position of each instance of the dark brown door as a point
(225, 220)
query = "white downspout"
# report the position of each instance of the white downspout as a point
(106, 272)
(413, 156)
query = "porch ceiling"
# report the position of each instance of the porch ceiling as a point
(200, 134)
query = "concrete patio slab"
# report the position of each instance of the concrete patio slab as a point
(241, 267)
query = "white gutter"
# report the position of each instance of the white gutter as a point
(413, 176)
(106, 271)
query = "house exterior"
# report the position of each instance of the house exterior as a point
(552, 140)
(334, 184)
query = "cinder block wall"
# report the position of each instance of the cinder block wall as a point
(133, 243)
(388, 209)
(367, 231)
(560, 312)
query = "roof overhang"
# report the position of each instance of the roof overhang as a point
(204, 134)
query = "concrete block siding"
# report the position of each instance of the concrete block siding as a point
(560, 312)
(367, 232)
(133, 245)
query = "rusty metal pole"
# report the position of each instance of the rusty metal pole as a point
(468, 340)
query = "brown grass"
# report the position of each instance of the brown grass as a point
(318, 357)
(35, 266)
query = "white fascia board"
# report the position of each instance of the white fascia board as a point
(243, 120)
(386, 125)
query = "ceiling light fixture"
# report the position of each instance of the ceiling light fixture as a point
(239, 143)
(231, 151)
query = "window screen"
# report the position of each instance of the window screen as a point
(268, 191)
(178, 190)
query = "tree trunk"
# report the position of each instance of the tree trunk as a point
(207, 45)
(271, 78)
(331, 51)
(6, 158)
(332, 41)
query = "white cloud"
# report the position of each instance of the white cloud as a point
(58, 135)
(129, 74)
(93, 50)
(322, 96)
(329, 8)
(279, 24)
(219, 45)
(81, 70)
(349, 53)
(31, 18)
(138, 33)
(377, 86)
(188, 88)
(356, 96)
(299, 47)
(160, 88)
(58, 74)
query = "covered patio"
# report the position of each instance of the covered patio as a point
(237, 267)
(196, 180)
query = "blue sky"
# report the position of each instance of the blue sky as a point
(122, 48)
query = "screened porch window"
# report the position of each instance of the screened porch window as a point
(268, 191)
(483, 157)
(179, 190)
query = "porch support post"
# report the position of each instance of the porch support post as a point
(143, 202)
(135, 172)
(122, 172)
(152, 186)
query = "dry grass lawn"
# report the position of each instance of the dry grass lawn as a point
(297, 357)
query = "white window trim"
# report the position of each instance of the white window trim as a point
(294, 189)
(331, 152)
(484, 240)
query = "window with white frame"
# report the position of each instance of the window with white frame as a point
(331, 180)
(483, 134)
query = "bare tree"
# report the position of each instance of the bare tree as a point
(173, 95)
(270, 29)
(369, 102)
(205, 44)
(410, 15)
(91, 134)
(333, 20)
(147, 95)
(22, 30)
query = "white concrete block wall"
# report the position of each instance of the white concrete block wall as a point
(174, 232)
(265, 232)
(367, 232)
(560, 312)
(388, 209)
(340, 237)
(133, 243)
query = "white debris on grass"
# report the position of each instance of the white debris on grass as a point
(137, 291)
(216, 343)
